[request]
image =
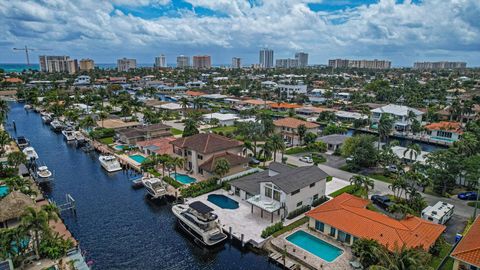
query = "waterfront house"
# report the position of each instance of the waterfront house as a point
(400, 114)
(201, 151)
(288, 128)
(284, 106)
(444, 131)
(333, 141)
(117, 124)
(466, 254)
(346, 219)
(281, 188)
(257, 103)
(224, 119)
(142, 133)
(158, 146)
(12, 207)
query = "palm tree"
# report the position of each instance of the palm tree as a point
(176, 162)
(384, 127)
(87, 122)
(125, 110)
(3, 110)
(414, 149)
(164, 160)
(398, 186)
(301, 131)
(266, 152)
(366, 250)
(14, 159)
(190, 128)
(36, 222)
(402, 259)
(4, 140)
(184, 102)
(277, 143)
(362, 182)
(221, 167)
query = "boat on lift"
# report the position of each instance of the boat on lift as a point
(30, 153)
(56, 125)
(43, 174)
(110, 163)
(69, 134)
(155, 187)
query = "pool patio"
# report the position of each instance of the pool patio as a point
(280, 244)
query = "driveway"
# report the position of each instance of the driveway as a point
(173, 124)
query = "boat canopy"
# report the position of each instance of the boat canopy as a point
(200, 207)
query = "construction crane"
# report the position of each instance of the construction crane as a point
(27, 50)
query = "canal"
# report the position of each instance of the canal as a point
(117, 226)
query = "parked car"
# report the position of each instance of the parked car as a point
(392, 168)
(469, 196)
(307, 159)
(254, 161)
(382, 201)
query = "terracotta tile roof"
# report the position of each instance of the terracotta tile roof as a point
(232, 159)
(163, 144)
(257, 102)
(194, 93)
(293, 123)
(348, 214)
(207, 143)
(13, 80)
(447, 126)
(285, 106)
(468, 250)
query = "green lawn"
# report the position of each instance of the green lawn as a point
(472, 204)
(348, 189)
(435, 262)
(291, 226)
(381, 177)
(176, 131)
(107, 140)
(224, 130)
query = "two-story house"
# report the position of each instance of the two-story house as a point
(467, 253)
(288, 128)
(445, 131)
(143, 133)
(201, 151)
(400, 113)
(281, 188)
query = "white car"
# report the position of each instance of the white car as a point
(306, 159)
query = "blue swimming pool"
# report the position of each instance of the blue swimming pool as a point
(315, 245)
(3, 191)
(183, 178)
(138, 158)
(120, 147)
(222, 201)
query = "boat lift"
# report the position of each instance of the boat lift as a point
(68, 205)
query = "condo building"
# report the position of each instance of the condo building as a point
(439, 65)
(266, 58)
(124, 64)
(183, 61)
(52, 64)
(287, 63)
(87, 64)
(160, 61)
(367, 64)
(202, 61)
(302, 59)
(236, 62)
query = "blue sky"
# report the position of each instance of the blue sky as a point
(402, 31)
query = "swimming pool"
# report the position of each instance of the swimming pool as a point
(442, 139)
(314, 245)
(3, 191)
(138, 158)
(222, 201)
(120, 147)
(183, 178)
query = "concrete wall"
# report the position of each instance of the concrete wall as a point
(305, 195)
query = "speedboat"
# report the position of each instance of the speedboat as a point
(43, 172)
(69, 134)
(22, 142)
(155, 187)
(30, 153)
(47, 119)
(79, 137)
(198, 220)
(27, 107)
(110, 163)
(56, 125)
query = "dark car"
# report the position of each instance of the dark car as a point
(382, 201)
(469, 196)
(254, 161)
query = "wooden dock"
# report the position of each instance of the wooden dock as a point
(283, 261)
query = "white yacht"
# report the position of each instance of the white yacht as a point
(56, 125)
(68, 134)
(22, 142)
(43, 172)
(110, 163)
(30, 153)
(46, 119)
(79, 137)
(198, 220)
(155, 187)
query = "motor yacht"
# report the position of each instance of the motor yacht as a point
(155, 187)
(43, 173)
(69, 134)
(56, 125)
(30, 153)
(47, 119)
(110, 163)
(22, 142)
(79, 138)
(198, 220)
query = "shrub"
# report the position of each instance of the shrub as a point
(298, 211)
(102, 133)
(172, 182)
(329, 178)
(200, 188)
(272, 229)
(319, 201)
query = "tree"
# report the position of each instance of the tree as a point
(266, 152)
(190, 128)
(14, 159)
(384, 127)
(87, 122)
(176, 162)
(36, 222)
(310, 138)
(184, 103)
(4, 109)
(443, 169)
(366, 250)
(361, 150)
(4, 140)
(221, 167)
(333, 129)
(402, 259)
(398, 187)
(362, 182)
(413, 150)
(301, 131)
(277, 144)
(125, 110)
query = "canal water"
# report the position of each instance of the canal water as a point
(117, 226)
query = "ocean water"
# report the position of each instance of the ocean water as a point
(8, 67)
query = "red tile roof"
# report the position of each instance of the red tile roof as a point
(348, 213)
(285, 106)
(446, 126)
(468, 250)
(232, 159)
(194, 93)
(207, 143)
(162, 143)
(13, 80)
(293, 123)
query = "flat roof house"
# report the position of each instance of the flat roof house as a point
(281, 187)
(201, 151)
(400, 114)
(467, 253)
(224, 119)
(142, 133)
(346, 219)
(288, 128)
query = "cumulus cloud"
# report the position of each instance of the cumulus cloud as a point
(403, 32)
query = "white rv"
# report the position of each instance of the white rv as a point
(440, 213)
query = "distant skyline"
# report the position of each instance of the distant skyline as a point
(401, 31)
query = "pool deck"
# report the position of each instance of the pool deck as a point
(280, 244)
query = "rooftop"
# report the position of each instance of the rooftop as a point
(396, 110)
(468, 250)
(334, 139)
(293, 123)
(446, 126)
(232, 159)
(116, 123)
(206, 143)
(285, 106)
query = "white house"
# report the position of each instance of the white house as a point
(281, 188)
(400, 113)
(291, 90)
(224, 119)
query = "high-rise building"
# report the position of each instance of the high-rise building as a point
(183, 61)
(236, 62)
(87, 64)
(439, 65)
(266, 58)
(160, 61)
(202, 61)
(302, 58)
(286, 63)
(367, 64)
(124, 64)
(51, 64)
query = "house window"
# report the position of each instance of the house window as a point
(268, 192)
(319, 225)
(444, 134)
(276, 195)
(237, 191)
(332, 231)
(299, 204)
(189, 153)
(315, 197)
(295, 192)
(312, 185)
(200, 157)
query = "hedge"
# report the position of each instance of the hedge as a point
(319, 201)
(298, 211)
(272, 229)
(172, 182)
(102, 133)
(200, 188)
